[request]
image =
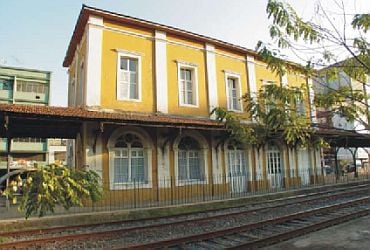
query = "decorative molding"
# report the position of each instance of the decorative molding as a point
(129, 52)
(186, 64)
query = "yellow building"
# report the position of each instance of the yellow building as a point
(120, 64)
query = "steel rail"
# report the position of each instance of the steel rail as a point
(301, 231)
(110, 233)
(295, 197)
(234, 230)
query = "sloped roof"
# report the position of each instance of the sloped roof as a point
(82, 114)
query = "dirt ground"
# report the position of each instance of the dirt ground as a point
(354, 234)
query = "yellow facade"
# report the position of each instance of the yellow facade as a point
(178, 48)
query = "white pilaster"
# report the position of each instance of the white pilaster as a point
(284, 80)
(161, 71)
(311, 97)
(252, 84)
(93, 60)
(211, 77)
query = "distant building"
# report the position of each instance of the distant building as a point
(26, 86)
(323, 85)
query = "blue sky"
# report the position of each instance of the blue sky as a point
(36, 33)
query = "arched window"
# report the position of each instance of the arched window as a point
(190, 160)
(129, 160)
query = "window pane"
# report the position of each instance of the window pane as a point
(194, 166)
(133, 65)
(29, 88)
(188, 74)
(133, 77)
(189, 86)
(133, 91)
(182, 166)
(5, 85)
(189, 98)
(120, 170)
(182, 74)
(124, 63)
(137, 169)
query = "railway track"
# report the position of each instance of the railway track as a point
(267, 232)
(67, 236)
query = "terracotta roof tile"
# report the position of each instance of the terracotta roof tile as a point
(106, 115)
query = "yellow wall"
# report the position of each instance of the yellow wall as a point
(180, 53)
(113, 41)
(296, 80)
(262, 73)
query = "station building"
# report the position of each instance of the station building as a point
(121, 66)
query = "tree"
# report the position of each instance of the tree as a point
(278, 113)
(327, 48)
(52, 185)
(323, 51)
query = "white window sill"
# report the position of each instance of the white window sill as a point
(128, 100)
(235, 110)
(189, 105)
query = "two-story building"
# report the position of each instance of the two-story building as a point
(123, 65)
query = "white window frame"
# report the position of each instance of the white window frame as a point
(132, 55)
(203, 152)
(147, 148)
(276, 166)
(235, 76)
(129, 150)
(194, 70)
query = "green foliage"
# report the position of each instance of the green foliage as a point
(361, 22)
(344, 101)
(276, 116)
(323, 43)
(237, 132)
(54, 185)
(287, 23)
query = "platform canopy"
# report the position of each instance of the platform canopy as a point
(344, 138)
(65, 122)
